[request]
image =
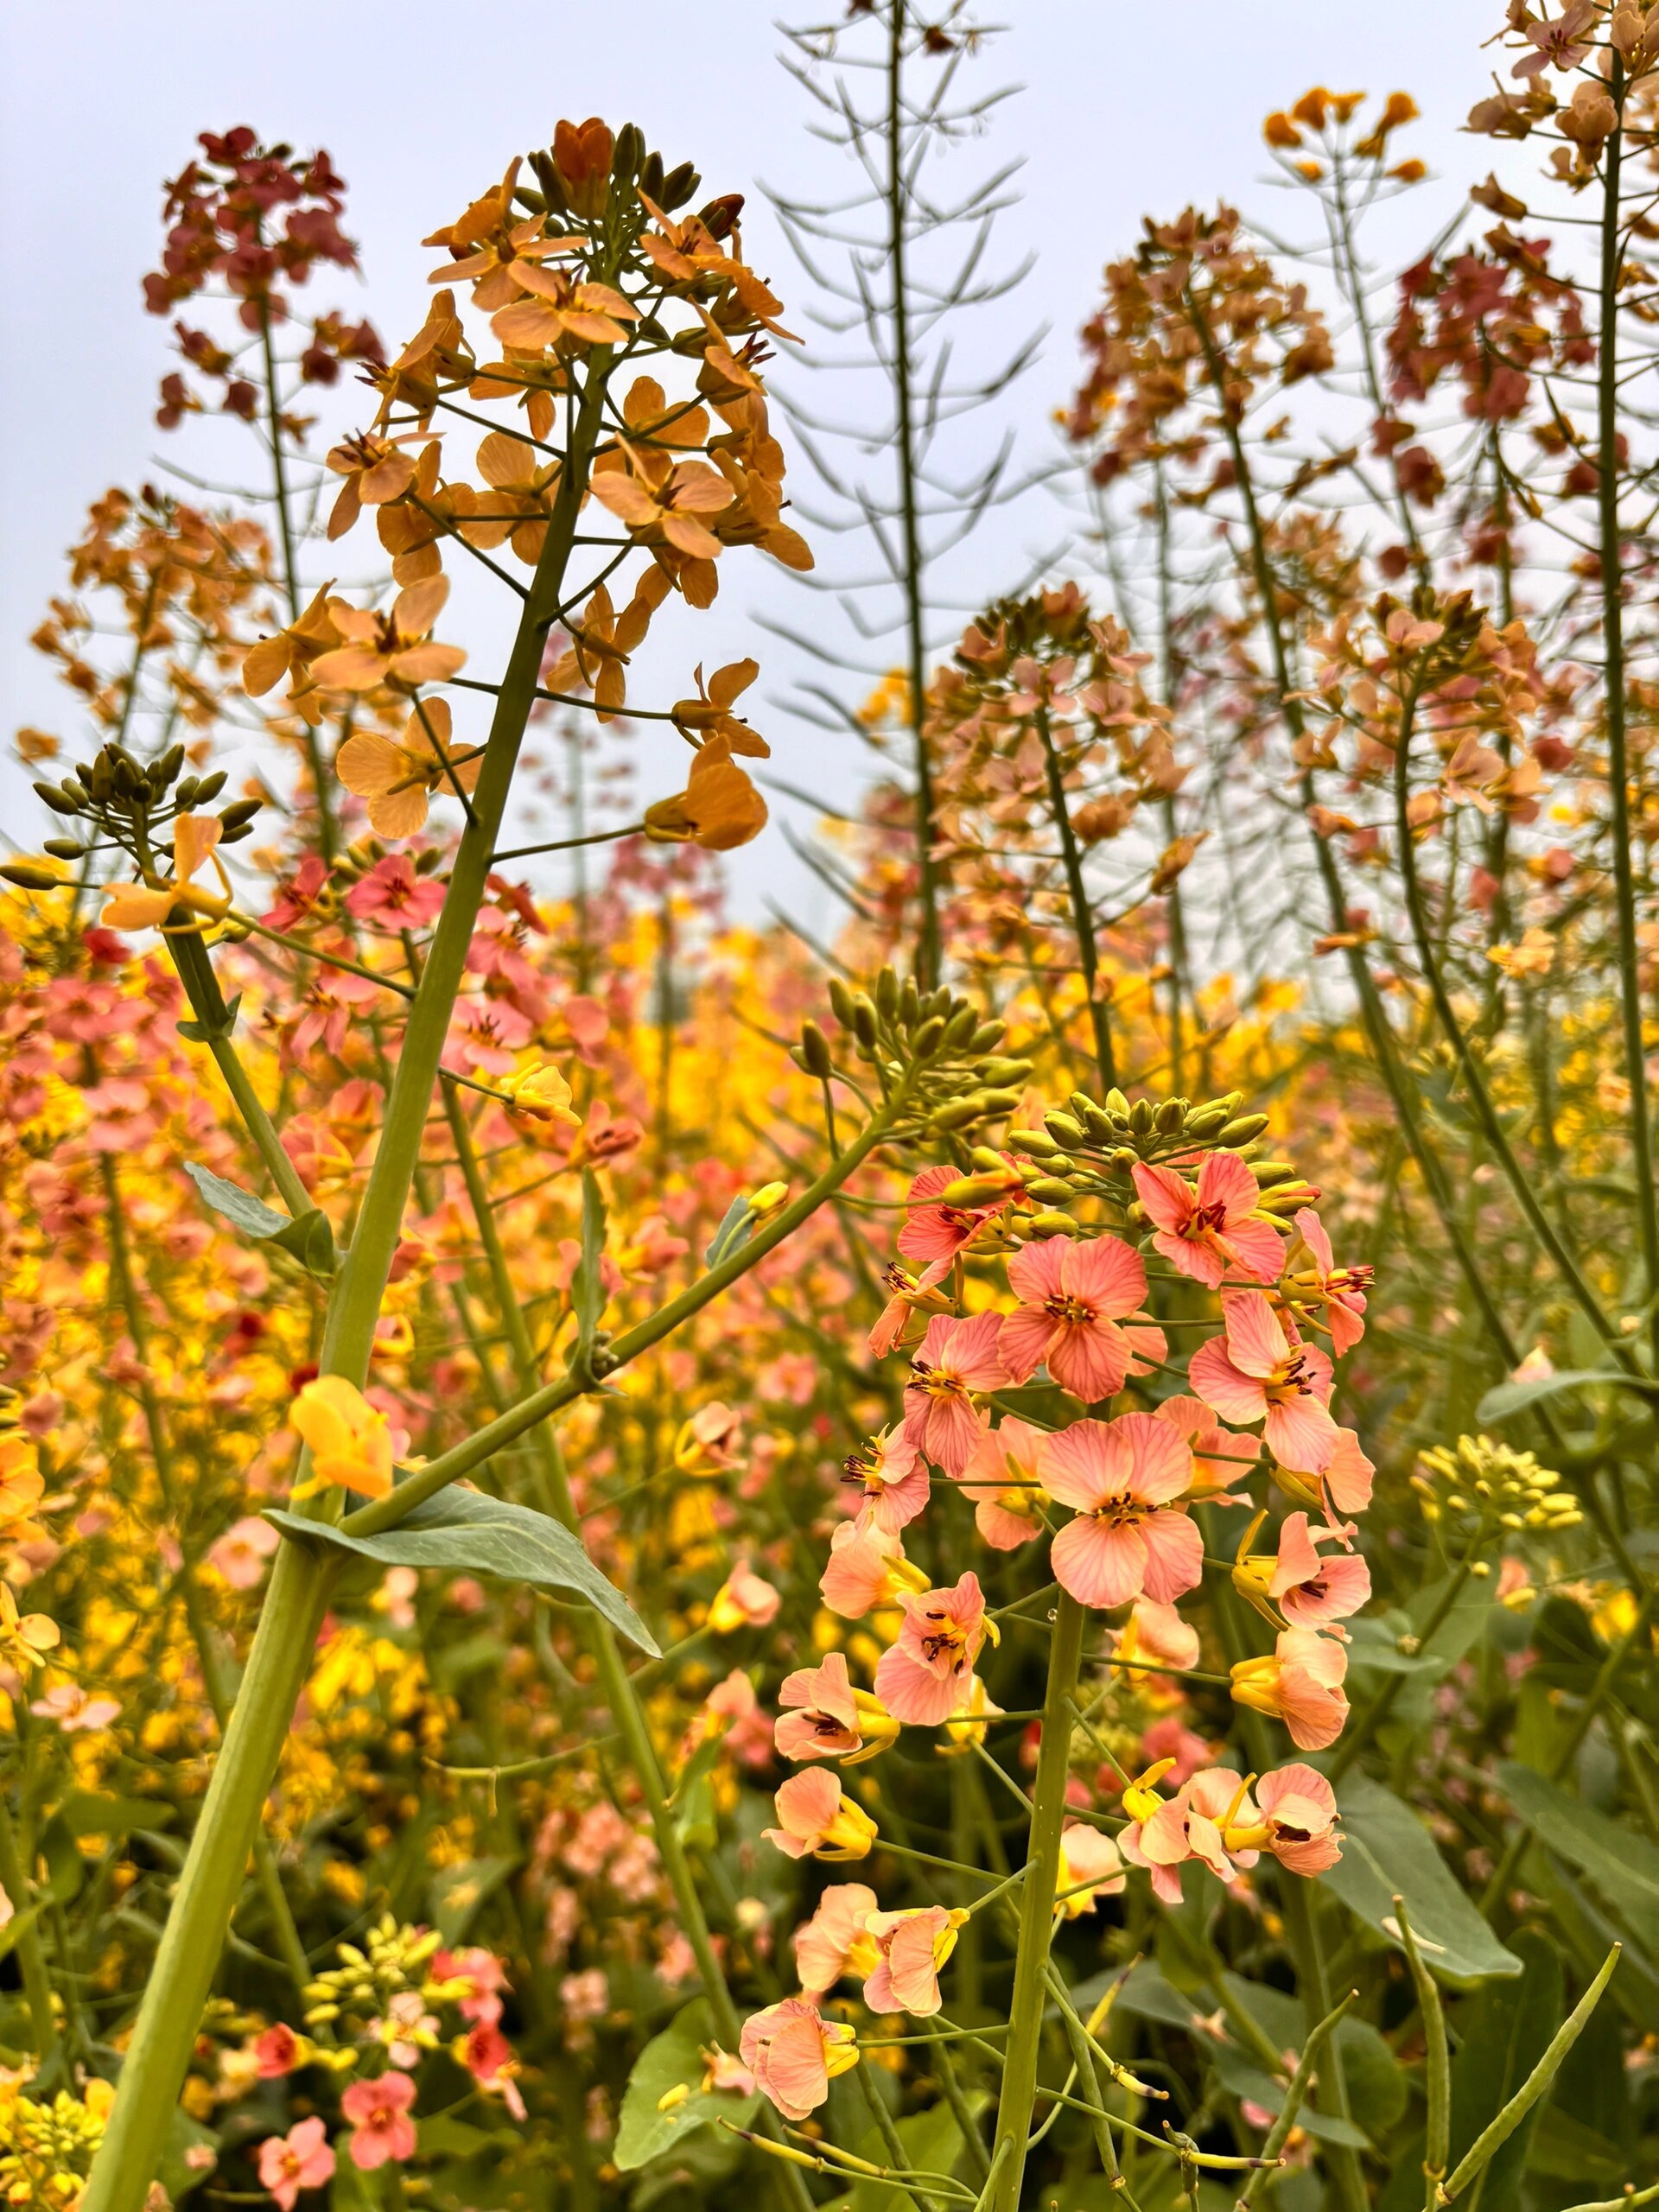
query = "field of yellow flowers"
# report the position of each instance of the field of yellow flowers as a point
(1007, 1561)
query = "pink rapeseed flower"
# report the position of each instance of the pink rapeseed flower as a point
(1311, 1590)
(892, 1475)
(836, 1941)
(927, 1674)
(817, 1819)
(1254, 1372)
(827, 1718)
(955, 1359)
(933, 1233)
(382, 2131)
(1005, 1480)
(1207, 1232)
(1071, 1297)
(394, 894)
(794, 2053)
(1298, 1682)
(910, 1946)
(1341, 1291)
(300, 2159)
(1128, 1538)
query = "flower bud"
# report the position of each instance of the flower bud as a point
(1242, 1132)
(1170, 1117)
(1140, 1117)
(928, 1039)
(1065, 1132)
(841, 1001)
(1054, 1224)
(815, 1051)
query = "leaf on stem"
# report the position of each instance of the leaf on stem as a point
(655, 2116)
(1387, 1851)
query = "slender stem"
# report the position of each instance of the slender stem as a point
(1083, 920)
(31, 1954)
(328, 835)
(207, 1004)
(1618, 765)
(1300, 2081)
(1037, 1904)
(928, 953)
(887, 2128)
(1437, 2063)
(302, 1576)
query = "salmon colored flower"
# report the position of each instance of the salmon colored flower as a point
(1207, 1232)
(657, 500)
(1128, 1538)
(908, 1296)
(1184, 1826)
(300, 2159)
(562, 310)
(245, 1551)
(744, 1600)
(720, 808)
(1293, 1815)
(382, 2131)
(836, 1941)
(1156, 1633)
(392, 894)
(924, 1677)
(394, 647)
(1005, 1480)
(398, 776)
(1091, 1867)
(290, 652)
(934, 1233)
(375, 469)
(827, 1718)
(955, 1359)
(69, 1707)
(1254, 1372)
(1341, 1291)
(351, 1443)
(1071, 1297)
(892, 1477)
(709, 715)
(1298, 1682)
(818, 1819)
(794, 2054)
(136, 906)
(911, 1947)
(1312, 1591)
(1220, 1458)
(865, 1568)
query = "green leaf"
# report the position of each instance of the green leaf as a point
(176, 2175)
(736, 1228)
(932, 2144)
(66, 1870)
(87, 1812)
(308, 1237)
(1511, 1398)
(670, 2062)
(459, 1893)
(1241, 2077)
(1388, 1853)
(1624, 1865)
(443, 2136)
(1502, 2032)
(250, 1214)
(203, 1033)
(1566, 2150)
(587, 1288)
(464, 1531)
(1377, 2084)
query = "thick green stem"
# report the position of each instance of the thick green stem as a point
(303, 1576)
(1037, 1907)
(1083, 919)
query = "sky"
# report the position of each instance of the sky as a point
(1122, 111)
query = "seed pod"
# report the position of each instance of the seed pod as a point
(1170, 1117)
(1065, 1132)
(1244, 1131)
(887, 994)
(815, 1051)
(1054, 1224)
(59, 801)
(841, 999)
(1053, 1190)
(210, 787)
(954, 1114)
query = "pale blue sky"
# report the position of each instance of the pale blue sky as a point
(1124, 109)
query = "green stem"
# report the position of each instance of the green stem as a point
(1612, 617)
(1082, 919)
(31, 1954)
(303, 1576)
(1037, 1906)
(207, 1004)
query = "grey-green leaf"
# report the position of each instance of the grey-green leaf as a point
(1624, 1865)
(670, 2062)
(250, 1214)
(1511, 1398)
(462, 1531)
(1388, 1853)
(587, 1288)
